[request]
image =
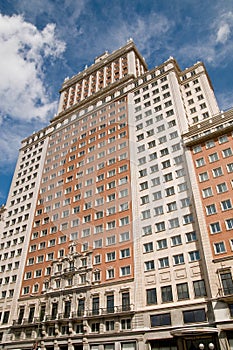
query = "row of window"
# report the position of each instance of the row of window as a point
(163, 243)
(211, 143)
(82, 278)
(189, 316)
(182, 292)
(220, 188)
(177, 259)
(215, 227)
(214, 157)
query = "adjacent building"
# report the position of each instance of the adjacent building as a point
(113, 236)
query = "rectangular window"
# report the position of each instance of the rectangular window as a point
(213, 157)
(219, 247)
(215, 227)
(199, 288)
(182, 291)
(203, 176)
(227, 152)
(207, 192)
(163, 262)
(176, 240)
(166, 293)
(227, 283)
(191, 236)
(151, 296)
(194, 316)
(211, 209)
(194, 255)
(226, 205)
(149, 265)
(178, 259)
(200, 162)
(160, 320)
(217, 172)
(221, 187)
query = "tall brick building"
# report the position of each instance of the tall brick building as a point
(117, 232)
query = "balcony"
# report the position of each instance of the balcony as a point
(80, 314)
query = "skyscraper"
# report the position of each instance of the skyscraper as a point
(105, 241)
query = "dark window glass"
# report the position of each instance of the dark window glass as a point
(193, 316)
(151, 296)
(160, 320)
(110, 303)
(182, 291)
(199, 288)
(166, 294)
(95, 305)
(227, 283)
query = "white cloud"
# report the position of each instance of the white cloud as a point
(224, 25)
(223, 33)
(23, 53)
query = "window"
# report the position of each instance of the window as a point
(149, 265)
(160, 320)
(227, 283)
(160, 226)
(124, 236)
(185, 202)
(169, 191)
(173, 223)
(176, 240)
(111, 256)
(163, 262)
(162, 244)
(222, 139)
(187, 219)
(194, 316)
(215, 227)
(157, 195)
(219, 247)
(217, 172)
(200, 162)
(125, 253)
(191, 236)
(168, 177)
(171, 206)
(227, 152)
(148, 247)
(110, 303)
(111, 240)
(158, 210)
(182, 291)
(178, 259)
(125, 270)
(146, 214)
(221, 187)
(230, 168)
(207, 192)
(147, 230)
(151, 296)
(194, 255)
(226, 205)
(197, 149)
(199, 288)
(203, 176)
(213, 157)
(166, 293)
(211, 209)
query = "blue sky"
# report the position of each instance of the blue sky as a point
(44, 41)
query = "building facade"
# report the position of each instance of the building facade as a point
(113, 237)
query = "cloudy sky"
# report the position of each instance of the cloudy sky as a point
(44, 41)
